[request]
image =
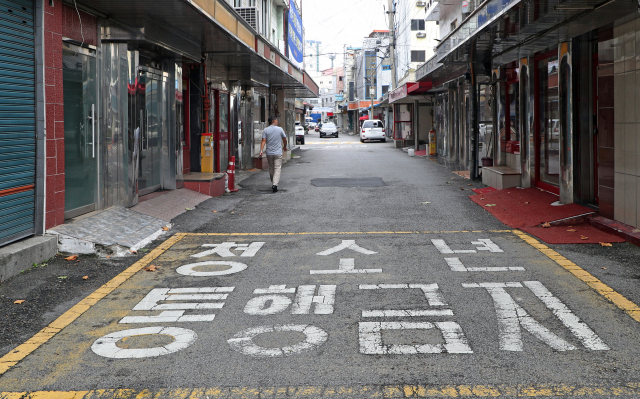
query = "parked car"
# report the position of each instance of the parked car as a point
(373, 130)
(329, 129)
(299, 135)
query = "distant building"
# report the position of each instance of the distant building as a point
(415, 38)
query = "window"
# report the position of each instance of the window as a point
(417, 24)
(340, 78)
(418, 56)
(385, 89)
(454, 24)
(386, 67)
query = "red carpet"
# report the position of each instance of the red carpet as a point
(527, 209)
(483, 190)
(421, 153)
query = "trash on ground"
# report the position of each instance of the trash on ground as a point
(19, 301)
(72, 257)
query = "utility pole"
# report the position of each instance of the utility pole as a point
(392, 47)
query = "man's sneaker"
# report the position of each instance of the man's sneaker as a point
(274, 189)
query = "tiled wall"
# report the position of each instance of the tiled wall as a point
(60, 21)
(55, 114)
(627, 122)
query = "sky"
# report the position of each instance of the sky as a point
(337, 23)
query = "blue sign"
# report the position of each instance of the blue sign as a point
(295, 35)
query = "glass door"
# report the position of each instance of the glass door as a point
(150, 100)
(80, 130)
(548, 124)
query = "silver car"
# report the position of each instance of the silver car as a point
(329, 129)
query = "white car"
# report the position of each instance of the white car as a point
(328, 129)
(299, 134)
(372, 130)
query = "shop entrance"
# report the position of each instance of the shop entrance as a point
(151, 112)
(547, 124)
(80, 130)
(219, 125)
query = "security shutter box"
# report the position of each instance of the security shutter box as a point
(17, 120)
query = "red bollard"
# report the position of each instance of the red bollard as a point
(231, 171)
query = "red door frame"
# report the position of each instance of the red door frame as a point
(536, 134)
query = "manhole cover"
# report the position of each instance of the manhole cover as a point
(347, 182)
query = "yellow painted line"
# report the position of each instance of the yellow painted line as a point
(334, 233)
(12, 358)
(361, 392)
(617, 299)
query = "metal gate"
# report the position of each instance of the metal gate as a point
(17, 120)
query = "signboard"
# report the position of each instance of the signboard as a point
(295, 36)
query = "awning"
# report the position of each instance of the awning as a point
(192, 28)
(410, 92)
(499, 40)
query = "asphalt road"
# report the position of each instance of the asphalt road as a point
(369, 274)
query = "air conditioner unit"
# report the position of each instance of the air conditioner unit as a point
(420, 3)
(251, 15)
(421, 35)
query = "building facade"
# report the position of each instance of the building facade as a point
(544, 93)
(415, 38)
(110, 101)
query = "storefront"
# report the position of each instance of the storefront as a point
(412, 115)
(553, 106)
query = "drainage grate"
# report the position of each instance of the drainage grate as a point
(346, 182)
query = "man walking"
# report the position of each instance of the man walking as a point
(275, 140)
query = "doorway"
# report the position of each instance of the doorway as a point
(151, 112)
(80, 130)
(547, 126)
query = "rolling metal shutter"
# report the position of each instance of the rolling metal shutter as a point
(17, 120)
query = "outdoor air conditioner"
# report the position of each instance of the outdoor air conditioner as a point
(421, 35)
(420, 3)
(251, 15)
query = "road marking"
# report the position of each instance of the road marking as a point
(371, 338)
(342, 233)
(347, 266)
(512, 316)
(224, 249)
(242, 341)
(174, 312)
(431, 291)
(457, 266)
(346, 392)
(346, 244)
(614, 297)
(106, 346)
(12, 358)
(188, 270)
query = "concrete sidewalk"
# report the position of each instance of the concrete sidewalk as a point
(117, 230)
